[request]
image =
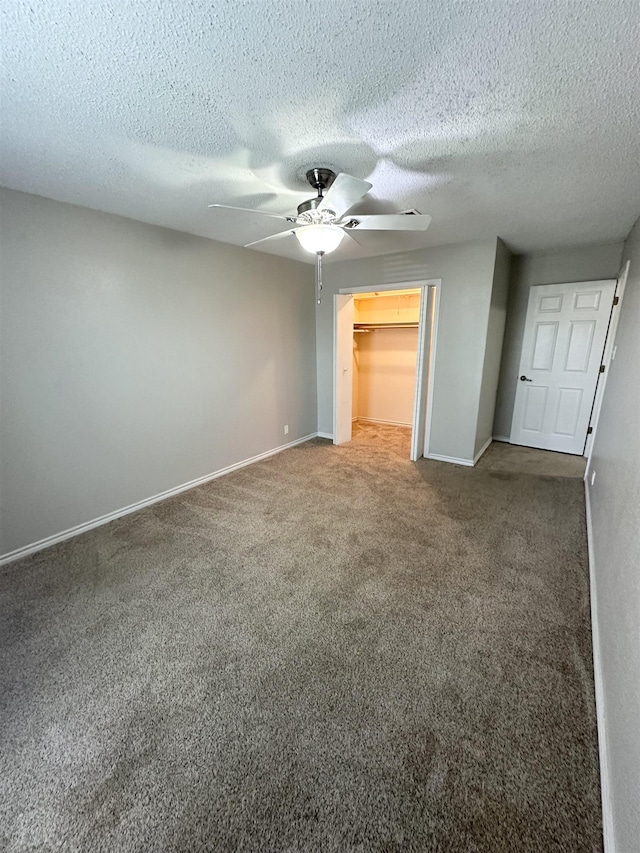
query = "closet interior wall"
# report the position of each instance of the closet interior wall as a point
(384, 359)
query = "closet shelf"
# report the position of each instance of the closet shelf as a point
(370, 327)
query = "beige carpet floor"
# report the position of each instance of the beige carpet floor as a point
(511, 458)
(332, 650)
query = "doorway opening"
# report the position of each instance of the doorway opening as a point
(384, 357)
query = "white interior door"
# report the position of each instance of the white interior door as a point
(343, 368)
(564, 337)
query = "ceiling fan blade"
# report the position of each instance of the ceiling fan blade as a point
(343, 193)
(278, 236)
(390, 222)
(256, 212)
(348, 233)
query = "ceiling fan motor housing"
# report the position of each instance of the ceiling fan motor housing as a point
(310, 204)
(308, 212)
(320, 179)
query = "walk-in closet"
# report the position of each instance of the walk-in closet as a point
(385, 347)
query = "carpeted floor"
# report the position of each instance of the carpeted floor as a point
(500, 456)
(333, 650)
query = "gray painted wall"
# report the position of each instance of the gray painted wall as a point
(467, 272)
(615, 521)
(493, 350)
(135, 359)
(581, 263)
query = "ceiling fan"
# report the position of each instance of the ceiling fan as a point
(322, 222)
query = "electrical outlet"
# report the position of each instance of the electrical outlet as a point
(593, 477)
(286, 429)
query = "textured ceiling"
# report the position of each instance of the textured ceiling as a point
(516, 119)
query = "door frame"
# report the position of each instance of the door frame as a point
(426, 356)
(342, 422)
(607, 358)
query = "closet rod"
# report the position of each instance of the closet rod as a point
(370, 327)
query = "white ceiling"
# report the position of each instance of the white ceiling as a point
(516, 119)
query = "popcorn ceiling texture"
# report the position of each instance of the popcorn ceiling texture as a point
(514, 119)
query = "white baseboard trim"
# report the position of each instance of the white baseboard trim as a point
(380, 421)
(469, 463)
(504, 438)
(26, 550)
(482, 449)
(605, 787)
(453, 459)
(325, 435)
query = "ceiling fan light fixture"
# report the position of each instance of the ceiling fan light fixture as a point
(319, 238)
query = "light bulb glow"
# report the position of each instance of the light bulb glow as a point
(320, 238)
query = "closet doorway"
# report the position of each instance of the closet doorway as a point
(384, 356)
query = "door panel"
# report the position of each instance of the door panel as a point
(544, 345)
(550, 303)
(564, 338)
(579, 349)
(535, 407)
(588, 300)
(569, 402)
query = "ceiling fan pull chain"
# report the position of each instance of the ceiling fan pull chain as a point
(319, 275)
